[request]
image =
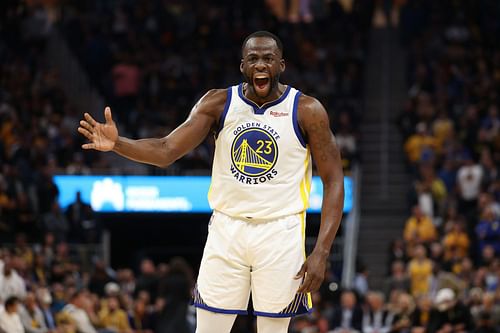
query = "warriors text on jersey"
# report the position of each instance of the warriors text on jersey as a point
(262, 165)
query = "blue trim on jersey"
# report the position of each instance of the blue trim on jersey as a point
(262, 109)
(296, 126)
(217, 310)
(281, 315)
(226, 108)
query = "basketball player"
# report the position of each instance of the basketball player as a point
(265, 134)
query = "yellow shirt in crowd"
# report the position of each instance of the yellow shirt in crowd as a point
(423, 229)
(420, 273)
(415, 145)
(117, 320)
(456, 244)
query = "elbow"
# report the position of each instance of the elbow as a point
(167, 154)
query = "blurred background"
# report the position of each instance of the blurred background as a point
(91, 242)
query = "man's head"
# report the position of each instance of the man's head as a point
(375, 300)
(79, 298)
(113, 303)
(30, 301)
(11, 304)
(262, 62)
(348, 299)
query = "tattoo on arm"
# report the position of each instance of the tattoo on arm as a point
(322, 138)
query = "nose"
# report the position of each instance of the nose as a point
(260, 65)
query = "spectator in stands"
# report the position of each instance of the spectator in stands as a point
(441, 279)
(360, 283)
(449, 315)
(469, 178)
(397, 252)
(126, 280)
(348, 315)
(436, 250)
(420, 271)
(100, 277)
(420, 146)
(140, 319)
(56, 222)
(487, 306)
(113, 318)
(422, 313)
(398, 280)
(31, 315)
(403, 313)
(11, 284)
(10, 322)
(456, 242)
(488, 231)
(376, 317)
(80, 311)
(81, 221)
(419, 228)
(45, 300)
(148, 279)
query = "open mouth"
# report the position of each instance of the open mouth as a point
(261, 82)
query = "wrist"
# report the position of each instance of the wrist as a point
(322, 251)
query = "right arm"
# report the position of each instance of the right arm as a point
(157, 151)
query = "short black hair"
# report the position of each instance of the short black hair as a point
(11, 301)
(263, 33)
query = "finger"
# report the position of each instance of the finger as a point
(107, 115)
(315, 284)
(85, 133)
(304, 288)
(88, 146)
(86, 125)
(89, 118)
(301, 272)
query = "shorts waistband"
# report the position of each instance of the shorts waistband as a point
(255, 220)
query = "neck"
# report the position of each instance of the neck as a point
(276, 92)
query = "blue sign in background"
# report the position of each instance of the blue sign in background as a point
(174, 194)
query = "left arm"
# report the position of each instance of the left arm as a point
(313, 120)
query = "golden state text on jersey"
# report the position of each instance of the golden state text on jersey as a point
(254, 153)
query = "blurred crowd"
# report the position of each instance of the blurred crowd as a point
(45, 290)
(446, 263)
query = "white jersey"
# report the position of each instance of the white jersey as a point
(262, 165)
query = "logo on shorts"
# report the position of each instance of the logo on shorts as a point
(254, 153)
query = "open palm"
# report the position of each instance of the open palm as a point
(101, 136)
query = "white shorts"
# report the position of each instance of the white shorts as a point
(261, 258)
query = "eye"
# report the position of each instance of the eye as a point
(252, 58)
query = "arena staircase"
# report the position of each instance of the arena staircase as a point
(385, 184)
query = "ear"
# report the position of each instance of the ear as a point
(282, 65)
(241, 66)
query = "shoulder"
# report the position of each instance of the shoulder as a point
(311, 114)
(308, 104)
(214, 98)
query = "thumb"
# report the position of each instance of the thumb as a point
(302, 272)
(107, 115)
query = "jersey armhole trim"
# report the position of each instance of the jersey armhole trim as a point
(296, 126)
(226, 108)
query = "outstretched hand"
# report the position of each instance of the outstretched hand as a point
(101, 136)
(314, 271)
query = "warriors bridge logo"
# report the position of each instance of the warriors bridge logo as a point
(254, 153)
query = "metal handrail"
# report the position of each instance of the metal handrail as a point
(351, 230)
